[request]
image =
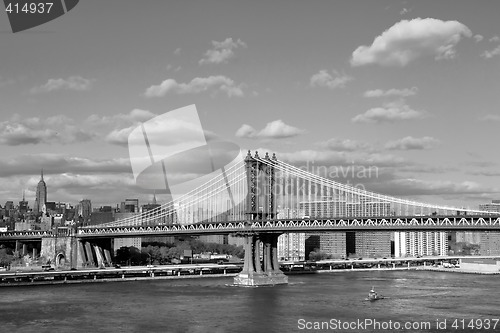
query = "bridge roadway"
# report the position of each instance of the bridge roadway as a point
(395, 223)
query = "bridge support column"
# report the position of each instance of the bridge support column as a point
(81, 257)
(254, 273)
(99, 255)
(89, 254)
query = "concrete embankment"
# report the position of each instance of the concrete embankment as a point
(456, 270)
(104, 280)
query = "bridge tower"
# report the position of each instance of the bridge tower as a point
(260, 205)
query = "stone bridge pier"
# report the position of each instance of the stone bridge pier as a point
(257, 272)
(94, 254)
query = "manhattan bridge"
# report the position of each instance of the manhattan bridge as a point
(259, 198)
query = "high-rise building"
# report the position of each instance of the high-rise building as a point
(84, 209)
(23, 205)
(41, 195)
(292, 246)
(494, 206)
(420, 243)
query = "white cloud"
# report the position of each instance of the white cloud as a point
(411, 143)
(122, 124)
(58, 129)
(134, 116)
(390, 112)
(336, 144)
(478, 37)
(274, 130)
(177, 51)
(325, 79)
(494, 39)
(221, 51)
(197, 85)
(490, 117)
(76, 83)
(404, 11)
(492, 53)
(407, 40)
(391, 92)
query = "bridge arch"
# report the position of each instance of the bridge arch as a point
(60, 259)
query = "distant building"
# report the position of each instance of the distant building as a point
(25, 225)
(41, 195)
(494, 206)
(23, 206)
(97, 218)
(332, 244)
(130, 206)
(218, 239)
(84, 210)
(420, 243)
(291, 246)
(490, 243)
(127, 242)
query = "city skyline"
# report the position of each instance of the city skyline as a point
(406, 87)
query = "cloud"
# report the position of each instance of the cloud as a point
(407, 40)
(478, 37)
(390, 112)
(23, 165)
(404, 11)
(221, 52)
(490, 54)
(391, 92)
(134, 116)
(411, 143)
(76, 83)
(409, 186)
(58, 129)
(494, 39)
(274, 130)
(324, 79)
(177, 51)
(490, 117)
(336, 144)
(197, 85)
(122, 124)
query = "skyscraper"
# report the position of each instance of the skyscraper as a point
(41, 195)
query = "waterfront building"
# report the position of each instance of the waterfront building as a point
(291, 246)
(41, 195)
(490, 243)
(218, 239)
(332, 244)
(420, 243)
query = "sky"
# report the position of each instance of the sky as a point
(407, 88)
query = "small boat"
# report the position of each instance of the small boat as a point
(373, 296)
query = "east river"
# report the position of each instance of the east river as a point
(334, 300)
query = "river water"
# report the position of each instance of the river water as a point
(213, 305)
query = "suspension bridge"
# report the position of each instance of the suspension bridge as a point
(259, 198)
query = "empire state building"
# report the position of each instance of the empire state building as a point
(41, 195)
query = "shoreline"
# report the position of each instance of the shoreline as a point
(89, 277)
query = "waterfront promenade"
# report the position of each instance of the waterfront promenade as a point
(151, 272)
